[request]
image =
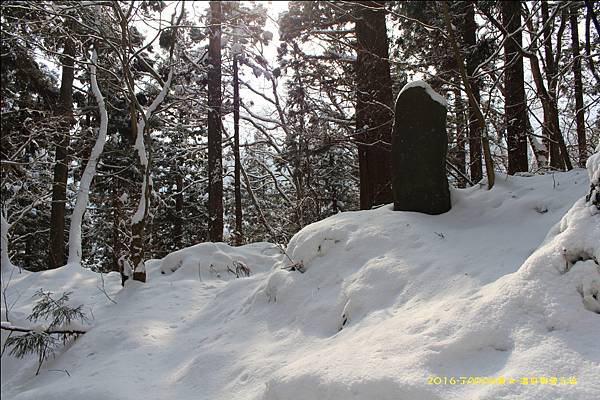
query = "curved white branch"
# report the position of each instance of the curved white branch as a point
(83, 193)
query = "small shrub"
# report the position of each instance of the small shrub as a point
(44, 340)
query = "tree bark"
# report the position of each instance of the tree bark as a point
(373, 105)
(474, 126)
(87, 177)
(215, 167)
(178, 226)
(136, 267)
(61, 165)
(139, 220)
(550, 117)
(588, 48)
(237, 184)
(579, 108)
(459, 148)
(559, 156)
(117, 216)
(550, 120)
(590, 10)
(549, 107)
(297, 152)
(514, 102)
(487, 153)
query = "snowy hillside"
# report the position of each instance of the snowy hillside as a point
(503, 285)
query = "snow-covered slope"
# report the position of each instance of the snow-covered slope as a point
(387, 301)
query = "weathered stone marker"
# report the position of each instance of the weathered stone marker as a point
(419, 147)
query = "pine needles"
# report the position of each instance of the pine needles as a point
(44, 340)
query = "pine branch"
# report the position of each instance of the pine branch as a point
(50, 331)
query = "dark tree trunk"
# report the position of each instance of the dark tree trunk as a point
(334, 196)
(117, 216)
(475, 128)
(61, 165)
(215, 166)
(237, 183)
(514, 104)
(459, 156)
(590, 10)
(550, 120)
(579, 116)
(300, 151)
(373, 105)
(588, 47)
(178, 227)
(138, 229)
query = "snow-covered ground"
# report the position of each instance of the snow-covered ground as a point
(503, 285)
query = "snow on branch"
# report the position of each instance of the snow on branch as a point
(83, 193)
(7, 326)
(141, 147)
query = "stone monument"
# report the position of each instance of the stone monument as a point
(419, 147)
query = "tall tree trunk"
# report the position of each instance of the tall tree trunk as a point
(237, 183)
(178, 227)
(475, 127)
(588, 48)
(140, 218)
(87, 177)
(298, 140)
(215, 166)
(117, 217)
(550, 117)
(550, 110)
(135, 264)
(590, 10)
(459, 149)
(579, 109)
(538, 148)
(485, 143)
(514, 102)
(61, 166)
(373, 105)
(557, 146)
(334, 200)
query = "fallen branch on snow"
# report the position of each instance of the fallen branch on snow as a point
(9, 327)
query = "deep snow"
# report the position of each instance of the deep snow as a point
(388, 300)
